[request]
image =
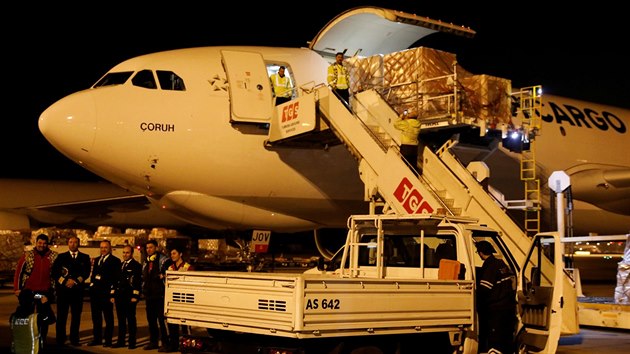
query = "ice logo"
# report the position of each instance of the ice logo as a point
(411, 199)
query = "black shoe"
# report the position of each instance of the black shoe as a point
(118, 345)
(131, 346)
(93, 343)
(167, 349)
(151, 346)
(75, 344)
(107, 344)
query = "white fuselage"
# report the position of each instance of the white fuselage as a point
(183, 149)
(157, 142)
(586, 140)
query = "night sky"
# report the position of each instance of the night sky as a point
(52, 51)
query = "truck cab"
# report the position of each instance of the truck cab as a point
(414, 247)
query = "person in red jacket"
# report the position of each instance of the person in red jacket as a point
(32, 283)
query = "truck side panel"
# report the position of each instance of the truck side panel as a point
(221, 300)
(310, 305)
(386, 305)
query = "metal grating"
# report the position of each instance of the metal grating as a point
(184, 297)
(272, 305)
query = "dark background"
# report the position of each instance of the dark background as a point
(51, 51)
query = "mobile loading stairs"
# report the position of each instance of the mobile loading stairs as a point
(444, 187)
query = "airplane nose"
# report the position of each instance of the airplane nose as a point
(70, 125)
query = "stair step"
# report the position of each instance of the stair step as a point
(456, 211)
(449, 202)
(447, 211)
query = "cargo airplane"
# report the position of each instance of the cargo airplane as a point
(187, 129)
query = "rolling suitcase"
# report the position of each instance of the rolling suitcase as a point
(24, 331)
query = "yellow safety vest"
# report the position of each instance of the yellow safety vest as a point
(282, 86)
(410, 128)
(338, 77)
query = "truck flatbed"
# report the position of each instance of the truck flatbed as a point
(603, 312)
(317, 305)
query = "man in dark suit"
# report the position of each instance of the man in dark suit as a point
(105, 272)
(70, 271)
(153, 271)
(126, 294)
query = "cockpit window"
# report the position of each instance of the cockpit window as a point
(109, 79)
(170, 81)
(144, 79)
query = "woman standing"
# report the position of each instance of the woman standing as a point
(178, 264)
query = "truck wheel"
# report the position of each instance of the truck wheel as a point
(354, 347)
(367, 350)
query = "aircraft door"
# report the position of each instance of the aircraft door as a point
(540, 295)
(249, 87)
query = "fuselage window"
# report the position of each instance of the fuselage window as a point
(170, 81)
(144, 79)
(113, 79)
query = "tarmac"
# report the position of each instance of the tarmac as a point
(589, 340)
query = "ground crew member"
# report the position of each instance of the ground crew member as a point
(282, 86)
(338, 78)
(496, 303)
(410, 128)
(177, 264)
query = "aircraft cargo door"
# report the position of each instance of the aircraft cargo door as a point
(249, 87)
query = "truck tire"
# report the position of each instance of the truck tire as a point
(372, 345)
(367, 350)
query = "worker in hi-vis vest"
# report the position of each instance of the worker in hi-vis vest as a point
(338, 78)
(409, 126)
(282, 86)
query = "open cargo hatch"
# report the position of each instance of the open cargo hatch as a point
(367, 31)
